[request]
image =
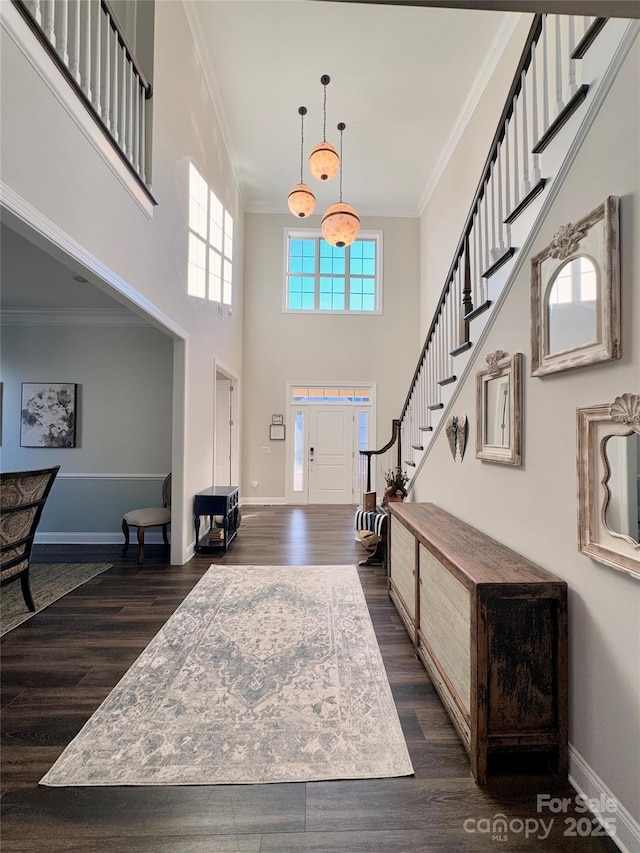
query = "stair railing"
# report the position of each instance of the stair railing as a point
(386, 454)
(545, 92)
(87, 43)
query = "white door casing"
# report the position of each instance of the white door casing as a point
(223, 432)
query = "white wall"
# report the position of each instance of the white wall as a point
(283, 347)
(533, 509)
(59, 178)
(124, 378)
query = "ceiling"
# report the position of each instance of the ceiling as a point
(402, 78)
(33, 280)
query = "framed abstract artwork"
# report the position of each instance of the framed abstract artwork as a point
(48, 414)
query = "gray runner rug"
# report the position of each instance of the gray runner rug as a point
(263, 674)
(48, 582)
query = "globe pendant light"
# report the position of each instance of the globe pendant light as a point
(340, 223)
(324, 160)
(301, 200)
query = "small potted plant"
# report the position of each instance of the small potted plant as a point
(396, 486)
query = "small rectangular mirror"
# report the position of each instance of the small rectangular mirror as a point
(575, 294)
(499, 410)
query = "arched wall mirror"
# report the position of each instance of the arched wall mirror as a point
(575, 294)
(609, 483)
(499, 409)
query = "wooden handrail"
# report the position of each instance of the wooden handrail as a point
(395, 436)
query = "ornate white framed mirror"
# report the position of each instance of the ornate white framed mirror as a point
(499, 409)
(609, 483)
(575, 294)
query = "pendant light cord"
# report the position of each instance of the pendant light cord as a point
(341, 128)
(341, 132)
(302, 144)
(324, 112)
(325, 80)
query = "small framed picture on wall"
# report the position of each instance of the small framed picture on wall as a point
(48, 414)
(276, 432)
(277, 419)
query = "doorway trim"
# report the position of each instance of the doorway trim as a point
(302, 498)
(38, 229)
(220, 368)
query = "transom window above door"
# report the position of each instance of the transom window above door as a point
(321, 394)
(324, 278)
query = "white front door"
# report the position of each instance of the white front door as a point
(330, 454)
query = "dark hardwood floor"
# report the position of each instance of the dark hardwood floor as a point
(59, 666)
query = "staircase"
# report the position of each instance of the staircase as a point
(566, 68)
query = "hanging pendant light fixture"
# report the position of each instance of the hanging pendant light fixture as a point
(324, 160)
(340, 223)
(301, 200)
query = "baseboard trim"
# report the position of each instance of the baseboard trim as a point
(262, 501)
(587, 782)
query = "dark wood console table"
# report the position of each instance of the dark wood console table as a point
(490, 628)
(216, 500)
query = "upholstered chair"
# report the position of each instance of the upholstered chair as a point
(22, 498)
(148, 517)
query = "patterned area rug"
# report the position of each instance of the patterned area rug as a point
(48, 582)
(263, 674)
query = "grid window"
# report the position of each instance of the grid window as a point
(210, 266)
(330, 395)
(321, 277)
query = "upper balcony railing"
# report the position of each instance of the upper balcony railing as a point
(87, 43)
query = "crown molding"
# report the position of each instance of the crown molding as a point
(492, 58)
(69, 317)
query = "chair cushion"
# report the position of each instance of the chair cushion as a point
(148, 517)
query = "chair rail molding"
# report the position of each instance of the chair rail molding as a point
(98, 476)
